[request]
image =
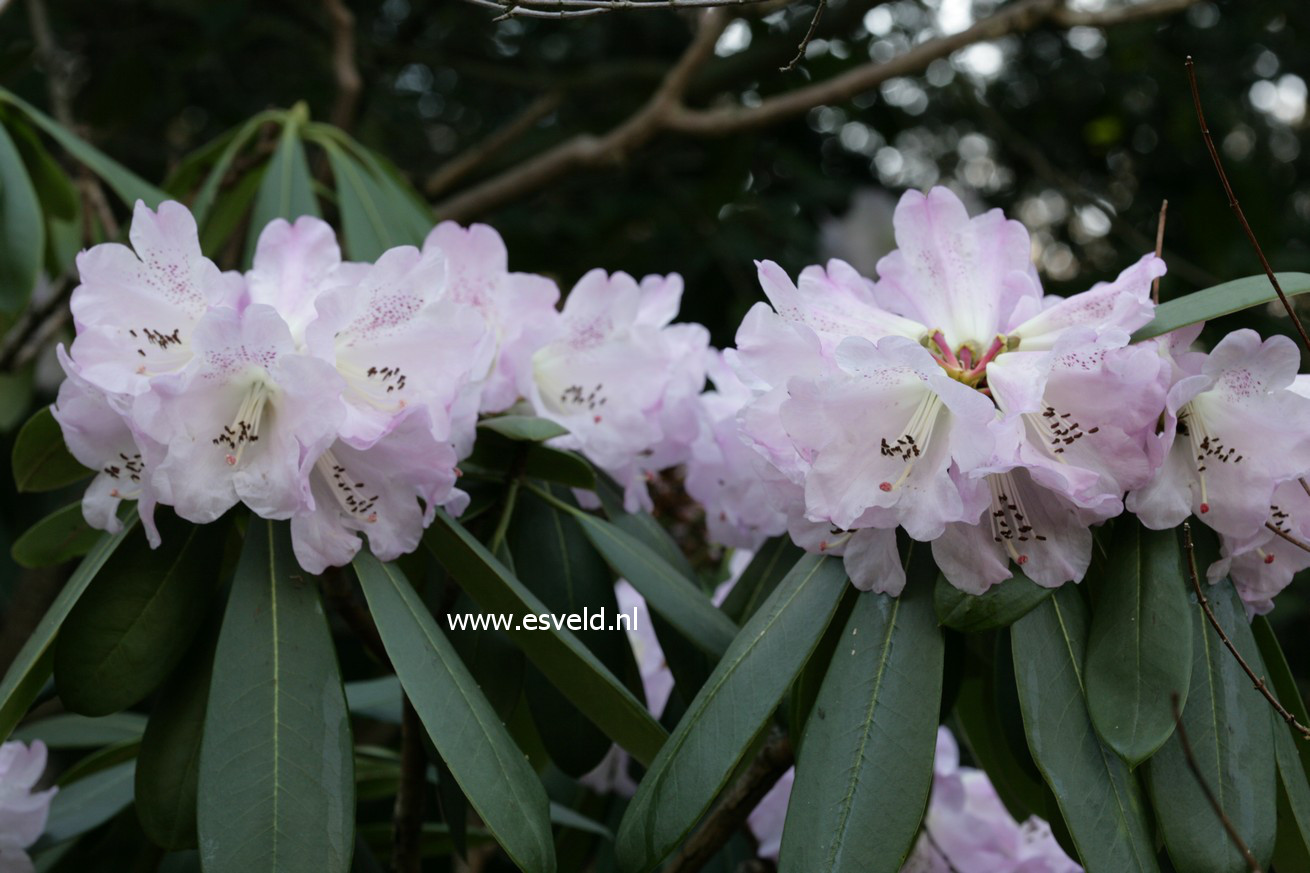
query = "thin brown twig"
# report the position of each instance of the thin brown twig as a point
(462, 164)
(732, 811)
(805, 40)
(1300, 544)
(349, 82)
(1236, 207)
(558, 9)
(1259, 683)
(1159, 249)
(1252, 864)
(666, 111)
(407, 817)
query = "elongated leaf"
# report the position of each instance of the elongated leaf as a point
(1000, 606)
(87, 804)
(407, 212)
(378, 699)
(523, 427)
(277, 787)
(60, 536)
(1224, 299)
(168, 767)
(1098, 797)
(364, 206)
(23, 240)
(1282, 680)
(31, 665)
(489, 768)
(41, 461)
(563, 569)
(126, 184)
(1011, 770)
(572, 668)
(667, 592)
(79, 732)
(729, 712)
(1139, 648)
(235, 140)
(1231, 737)
(771, 562)
(287, 190)
(138, 617)
(1292, 846)
(880, 701)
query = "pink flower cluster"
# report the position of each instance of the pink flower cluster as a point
(955, 400)
(23, 811)
(342, 395)
(951, 398)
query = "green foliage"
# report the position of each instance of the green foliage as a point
(41, 461)
(276, 783)
(1220, 300)
(1000, 606)
(60, 536)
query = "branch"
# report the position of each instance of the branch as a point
(1229, 828)
(665, 111)
(1214, 622)
(1236, 207)
(805, 40)
(1159, 249)
(349, 82)
(461, 165)
(585, 8)
(732, 811)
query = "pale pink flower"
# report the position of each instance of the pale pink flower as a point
(622, 379)
(23, 812)
(518, 307)
(1263, 564)
(1233, 430)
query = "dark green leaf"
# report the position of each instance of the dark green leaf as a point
(23, 240)
(364, 206)
(1228, 726)
(562, 568)
(526, 428)
(378, 699)
(87, 804)
(1098, 796)
(568, 664)
(729, 712)
(60, 536)
(1224, 299)
(126, 184)
(277, 787)
(30, 667)
(140, 615)
(80, 732)
(1139, 648)
(234, 140)
(766, 569)
(667, 592)
(1284, 683)
(287, 190)
(59, 199)
(489, 768)
(874, 725)
(1010, 768)
(1000, 606)
(41, 461)
(168, 767)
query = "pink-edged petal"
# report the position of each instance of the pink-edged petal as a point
(1124, 303)
(293, 264)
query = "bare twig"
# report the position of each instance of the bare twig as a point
(406, 847)
(349, 82)
(1233, 204)
(1159, 249)
(1300, 544)
(1190, 758)
(732, 811)
(666, 112)
(1066, 17)
(461, 165)
(805, 40)
(584, 8)
(1214, 622)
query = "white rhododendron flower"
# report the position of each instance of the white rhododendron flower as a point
(23, 812)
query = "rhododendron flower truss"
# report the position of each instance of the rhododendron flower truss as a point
(1233, 429)
(23, 811)
(946, 381)
(1263, 564)
(622, 379)
(136, 309)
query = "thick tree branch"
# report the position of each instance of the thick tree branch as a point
(666, 111)
(735, 807)
(349, 82)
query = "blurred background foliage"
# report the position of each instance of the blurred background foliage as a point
(1080, 134)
